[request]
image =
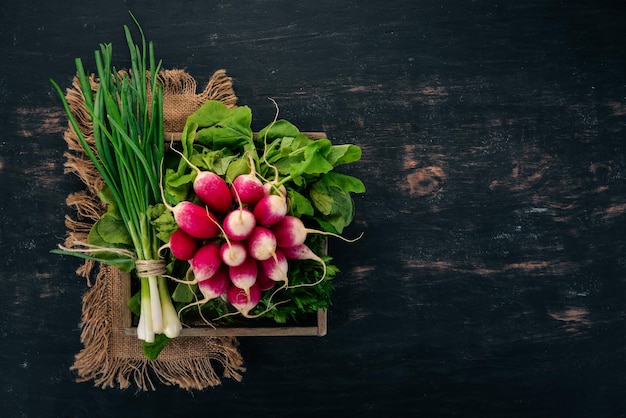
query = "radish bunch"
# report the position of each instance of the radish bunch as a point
(239, 223)
(238, 241)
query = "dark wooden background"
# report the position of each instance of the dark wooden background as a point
(491, 281)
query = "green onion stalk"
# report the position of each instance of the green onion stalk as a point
(128, 149)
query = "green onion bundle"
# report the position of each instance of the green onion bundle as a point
(127, 150)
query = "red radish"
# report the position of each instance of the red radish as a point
(206, 261)
(195, 220)
(213, 191)
(209, 187)
(183, 245)
(233, 253)
(303, 252)
(215, 285)
(264, 282)
(272, 187)
(299, 252)
(239, 224)
(211, 288)
(275, 267)
(261, 244)
(242, 301)
(291, 231)
(247, 189)
(270, 209)
(244, 275)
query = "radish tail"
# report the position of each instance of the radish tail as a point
(273, 167)
(316, 231)
(319, 260)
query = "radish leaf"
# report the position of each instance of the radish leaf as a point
(344, 154)
(299, 205)
(279, 129)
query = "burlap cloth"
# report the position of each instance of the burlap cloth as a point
(110, 357)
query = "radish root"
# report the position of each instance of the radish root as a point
(319, 232)
(247, 315)
(273, 167)
(198, 302)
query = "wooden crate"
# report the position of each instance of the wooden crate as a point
(316, 327)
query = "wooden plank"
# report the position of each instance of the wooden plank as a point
(319, 330)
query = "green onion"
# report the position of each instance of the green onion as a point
(127, 116)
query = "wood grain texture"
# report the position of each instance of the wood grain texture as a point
(491, 280)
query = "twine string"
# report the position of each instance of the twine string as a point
(150, 268)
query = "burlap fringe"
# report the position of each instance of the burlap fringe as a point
(109, 357)
(112, 359)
